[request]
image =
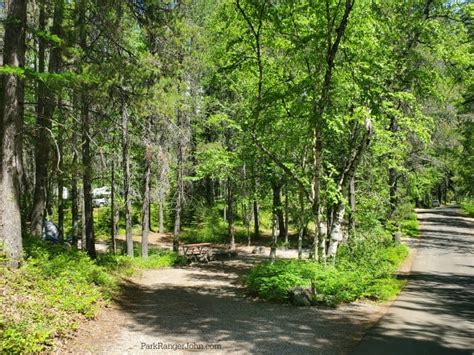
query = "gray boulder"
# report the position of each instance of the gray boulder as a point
(301, 296)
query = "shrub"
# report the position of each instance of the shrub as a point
(410, 226)
(363, 269)
(57, 288)
(468, 207)
(48, 296)
(127, 266)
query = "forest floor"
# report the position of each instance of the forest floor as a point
(205, 305)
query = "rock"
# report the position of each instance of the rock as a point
(301, 296)
(224, 254)
(258, 250)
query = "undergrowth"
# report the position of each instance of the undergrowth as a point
(410, 226)
(363, 270)
(468, 207)
(58, 288)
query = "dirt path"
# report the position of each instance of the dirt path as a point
(205, 306)
(435, 312)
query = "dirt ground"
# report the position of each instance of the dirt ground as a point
(204, 308)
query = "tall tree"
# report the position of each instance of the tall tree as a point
(11, 114)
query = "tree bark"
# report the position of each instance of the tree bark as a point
(75, 196)
(42, 137)
(302, 225)
(126, 180)
(113, 209)
(273, 247)
(45, 112)
(319, 108)
(319, 242)
(11, 121)
(87, 174)
(287, 225)
(87, 169)
(179, 180)
(256, 219)
(230, 214)
(348, 172)
(336, 235)
(277, 208)
(60, 189)
(146, 201)
(83, 222)
(248, 217)
(352, 203)
(161, 216)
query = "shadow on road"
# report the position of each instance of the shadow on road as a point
(443, 294)
(222, 314)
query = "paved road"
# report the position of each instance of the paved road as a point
(435, 312)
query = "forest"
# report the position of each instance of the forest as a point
(311, 125)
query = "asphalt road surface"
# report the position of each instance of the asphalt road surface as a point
(435, 312)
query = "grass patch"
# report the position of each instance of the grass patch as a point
(410, 226)
(468, 207)
(363, 270)
(58, 288)
(123, 265)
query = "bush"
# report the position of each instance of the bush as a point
(468, 207)
(363, 269)
(49, 296)
(57, 288)
(410, 226)
(126, 266)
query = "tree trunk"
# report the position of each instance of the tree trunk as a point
(45, 111)
(75, 197)
(230, 214)
(87, 169)
(302, 225)
(161, 216)
(392, 174)
(87, 178)
(42, 137)
(179, 181)
(150, 225)
(126, 180)
(248, 217)
(146, 202)
(287, 225)
(277, 208)
(11, 121)
(83, 222)
(113, 209)
(256, 219)
(319, 243)
(352, 202)
(274, 239)
(336, 236)
(60, 189)
(338, 209)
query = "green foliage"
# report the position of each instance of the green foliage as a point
(468, 207)
(57, 288)
(410, 226)
(126, 266)
(363, 269)
(404, 218)
(49, 296)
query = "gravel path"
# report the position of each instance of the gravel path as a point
(435, 312)
(205, 306)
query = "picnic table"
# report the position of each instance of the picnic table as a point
(197, 251)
